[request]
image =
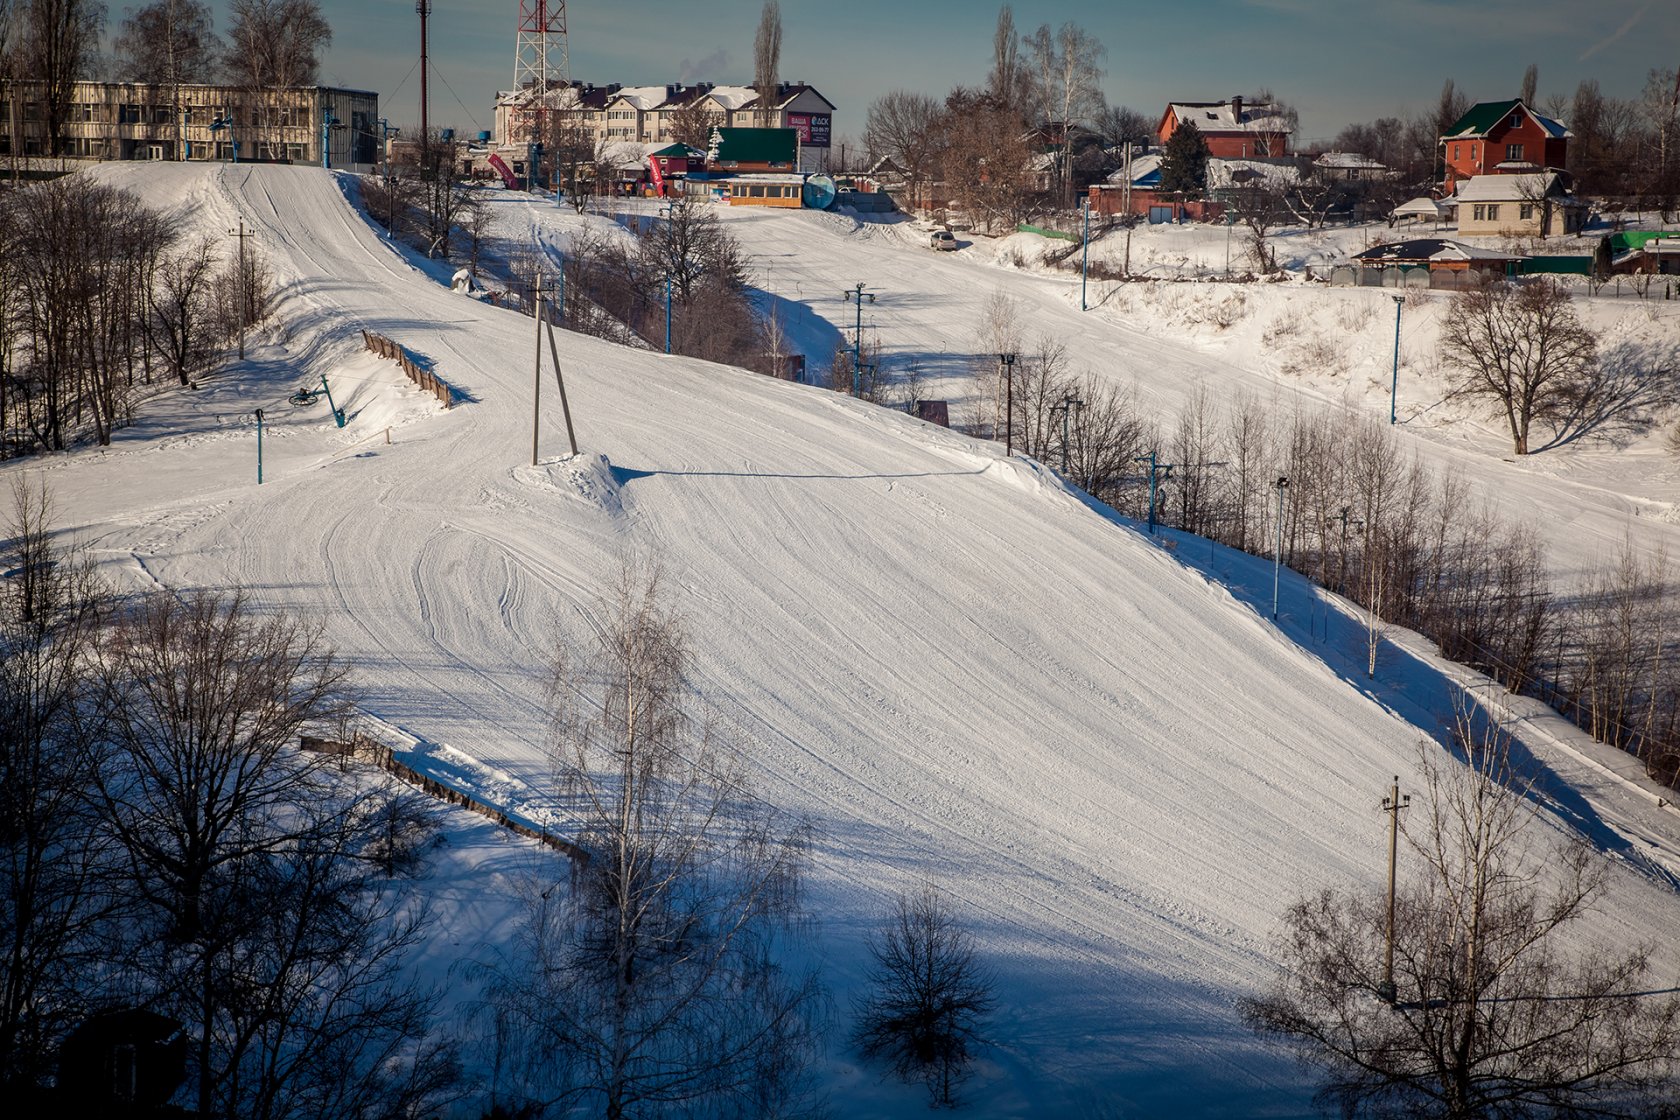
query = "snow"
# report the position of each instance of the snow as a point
(1099, 742)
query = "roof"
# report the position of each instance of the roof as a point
(1216, 116)
(1277, 173)
(1349, 161)
(1145, 171)
(1485, 116)
(678, 151)
(1430, 249)
(1425, 206)
(1509, 188)
(754, 145)
(1631, 239)
(626, 154)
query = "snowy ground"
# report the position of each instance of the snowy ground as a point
(1100, 744)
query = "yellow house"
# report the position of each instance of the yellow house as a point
(1530, 205)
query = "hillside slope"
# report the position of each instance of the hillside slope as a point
(950, 663)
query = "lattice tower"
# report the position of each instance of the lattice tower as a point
(540, 60)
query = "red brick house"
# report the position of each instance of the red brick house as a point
(1232, 129)
(1502, 138)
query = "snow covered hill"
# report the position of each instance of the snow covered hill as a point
(951, 663)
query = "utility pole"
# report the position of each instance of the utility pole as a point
(1126, 265)
(424, 7)
(667, 312)
(857, 295)
(1392, 804)
(1277, 558)
(1158, 473)
(560, 380)
(1394, 389)
(536, 376)
(244, 284)
(1008, 363)
(1085, 252)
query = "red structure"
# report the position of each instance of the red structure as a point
(540, 57)
(1232, 129)
(1502, 138)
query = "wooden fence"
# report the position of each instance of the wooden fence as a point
(382, 756)
(385, 348)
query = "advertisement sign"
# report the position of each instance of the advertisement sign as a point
(813, 128)
(658, 174)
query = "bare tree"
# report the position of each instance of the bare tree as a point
(1530, 84)
(182, 319)
(1004, 81)
(925, 1009)
(1067, 70)
(274, 44)
(169, 43)
(1498, 1009)
(908, 127)
(692, 124)
(54, 863)
(767, 60)
(654, 981)
(985, 159)
(59, 39)
(1522, 347)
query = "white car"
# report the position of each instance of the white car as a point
(943, 240)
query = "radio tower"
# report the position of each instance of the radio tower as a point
(540, 59)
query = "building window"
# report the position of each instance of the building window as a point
(1493, 212)
(161, 114)
(128, 114)
(1513, 152)
(1480, 214)
(1525, 211)
(1457, 155)
(84, 113)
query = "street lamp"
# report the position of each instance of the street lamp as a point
(1008, 363)
(329, 124)
(1066, 405)
(1394, 389)
(857, 295)
(1277, 558)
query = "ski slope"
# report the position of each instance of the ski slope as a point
(1119, 767)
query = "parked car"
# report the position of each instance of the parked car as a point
(943, 240)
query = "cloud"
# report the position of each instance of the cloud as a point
(1618, 33)
(709, 68)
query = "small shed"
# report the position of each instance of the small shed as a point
(1427, 262)
(1418, 210)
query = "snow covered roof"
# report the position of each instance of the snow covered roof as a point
(1509, 188)
(1219, 116)
(643, 97)
(1224, 173)
(1349, 161)
(626, 154)
(1145, 171)
(732, 97)
(1429, 249)
(1423, 207)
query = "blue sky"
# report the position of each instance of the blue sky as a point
(1338, 61)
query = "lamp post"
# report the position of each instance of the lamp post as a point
(1158, 473)
(328, 124)
(857, 295)
(259, 446)
(1277, 557)
(1065, 406)
(1008, 363)
(1394, 388)
(1085, 251)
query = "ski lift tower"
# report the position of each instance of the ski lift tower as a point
(540, 61)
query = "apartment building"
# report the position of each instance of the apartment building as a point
(136, 121)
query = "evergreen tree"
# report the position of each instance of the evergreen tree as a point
(1184, 163)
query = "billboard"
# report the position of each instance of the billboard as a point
(813, 128)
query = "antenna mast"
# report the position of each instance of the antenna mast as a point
(540, 60)
(424, 7)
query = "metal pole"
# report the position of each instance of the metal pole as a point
(667, 313)
(536, 376)
(857, 341)
(562, 275)
(338, 413)
(565, 408)
(259, 446)
(326, 134)
(1277, 557)
(1085, 253)
(1394, 389)
(1008, 361)
(1392, 806)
